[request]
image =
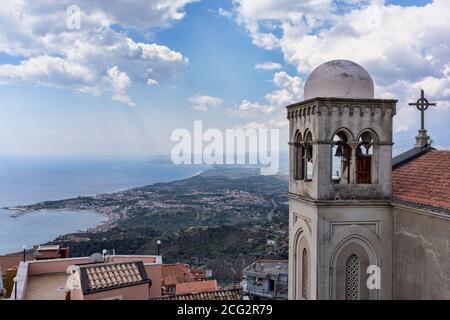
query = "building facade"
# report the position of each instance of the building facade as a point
(266, 280)
(344, 223)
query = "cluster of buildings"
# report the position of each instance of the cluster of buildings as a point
(49, 273)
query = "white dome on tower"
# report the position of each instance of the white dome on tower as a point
(339, 79)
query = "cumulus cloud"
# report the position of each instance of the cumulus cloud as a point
(152, 82)
(401, 53)
(247, 107)
(119, 82)
(82, 59)
(268, 65)
(289, 90)
(203, 102)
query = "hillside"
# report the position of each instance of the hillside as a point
(221, 219)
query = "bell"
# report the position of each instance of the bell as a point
(338, 151)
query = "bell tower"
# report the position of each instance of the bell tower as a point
(339, 184)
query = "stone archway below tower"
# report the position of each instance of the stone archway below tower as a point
(349, 265)
(346, 278)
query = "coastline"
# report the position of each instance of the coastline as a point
(58, 181)
(111, 219)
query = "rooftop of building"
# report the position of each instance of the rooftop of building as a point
(175, 273)
(48, 247)
(410, 155)
(268, 266)
(50, 286)
(196, 287)
(47, 279)
(423, 180)
(106, 276)
(12, 260)
(225, 294)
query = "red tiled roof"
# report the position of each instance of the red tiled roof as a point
(175, 273)
(105, 276)
(424, 181)
(228, 294)
(195, 287)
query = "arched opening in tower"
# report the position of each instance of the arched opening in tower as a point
(341, 158)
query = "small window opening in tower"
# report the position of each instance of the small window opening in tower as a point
(364, 154)
(352, 278)
(308, 157)
(298, 157)
(341, 158)
(305, 274)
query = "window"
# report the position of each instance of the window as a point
(305, 274)
(171, 289)
(271, 285)
(341, 158)
(258, 282)
(308, 157)
(303, 157)
(364, 154)
(352, 278)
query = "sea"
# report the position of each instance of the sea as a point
(30, 180)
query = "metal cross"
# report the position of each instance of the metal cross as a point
(422, 105)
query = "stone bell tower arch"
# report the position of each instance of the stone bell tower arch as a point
(340, 220)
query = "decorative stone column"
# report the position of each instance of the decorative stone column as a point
(354, 146)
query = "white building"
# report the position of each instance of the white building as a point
(348, 208)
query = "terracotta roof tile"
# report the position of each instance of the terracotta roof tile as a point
(228, 294)
(176, 273)
(196, 287)
(99, 277)
(424, 181)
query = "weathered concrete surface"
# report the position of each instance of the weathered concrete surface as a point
(421, 255)
(343, 225)
(333, 220)
(323, 117)
(339, 79)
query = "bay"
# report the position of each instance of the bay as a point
(31, 180)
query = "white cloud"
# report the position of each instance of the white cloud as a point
(79, 59)
(268, 65)
(401, 53)
(119, 82)
(152, 82)
(225, 13)
(203, 102)
(46, 70)
(247, 107)
(276, 123)
(253, 125)
(289, 91)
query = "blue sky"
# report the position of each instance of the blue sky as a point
(132, 74)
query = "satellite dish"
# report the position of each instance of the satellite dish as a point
(71, 269)
(95, 257)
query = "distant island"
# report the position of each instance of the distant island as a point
(223, 218)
